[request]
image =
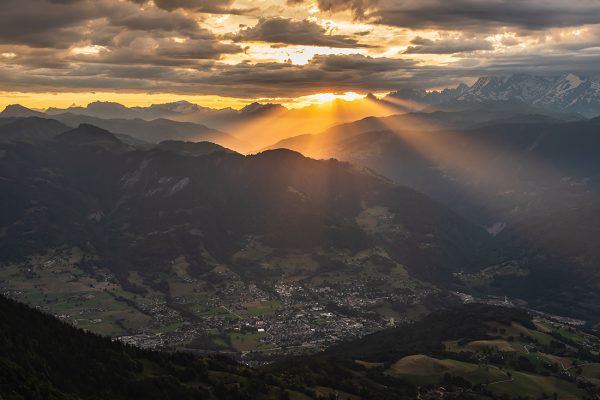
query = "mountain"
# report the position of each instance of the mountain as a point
(262, 124)
(99, 109)
(38, 130)
(191, 148)
(421, 98)
(253, 127)
(156, 130)
(112, 110)
(17, 110)
(490, 167)
(470, 352)
(29, 129)
(531, 180)
(225, 196)
(559, 253)
(567, 93)
(90, 135)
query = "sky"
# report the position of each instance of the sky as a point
(228, 53)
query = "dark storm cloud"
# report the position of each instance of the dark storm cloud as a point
(339, 73)
(471, 14)
(42, 23)
(447, 45)
(206, 6)
(162, 52)
(62, 23)
(154, 20)
(360, 64)
(322, 73)
(197, 49)
(288, 31)
(55, 26)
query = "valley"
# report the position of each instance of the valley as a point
(260, 321)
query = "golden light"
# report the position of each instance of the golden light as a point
(296, 54)
(43, 100)
(88, 50)
(321, 98)
(313, 115)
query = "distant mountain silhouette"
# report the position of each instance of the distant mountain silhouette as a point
(29, 129)
(156, 130)
(17, 110)
(89, 135)
(192, 148)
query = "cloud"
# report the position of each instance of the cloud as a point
(470, 14)
(450, 45)
(61, 23)
(56, 26)
(42, 23)
(331, 73)
(293, 32)
(325, 73)
(204, 6)
(168, 46)
(358, 7)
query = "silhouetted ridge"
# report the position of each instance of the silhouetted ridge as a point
(86, 134)
(30, 129)
(17, 110)
(192, 148)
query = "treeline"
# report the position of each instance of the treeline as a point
(466, 323)
(42, 358)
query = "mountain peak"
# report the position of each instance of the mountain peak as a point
(90, 135)
(100, 103)
(17, 110)
(259, 108)
(567, 93)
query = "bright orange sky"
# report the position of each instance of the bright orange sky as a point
(41, 101)
(228, 53)
(44, 100)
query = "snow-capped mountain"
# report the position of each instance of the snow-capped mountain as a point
(563, 93)
(430, 97)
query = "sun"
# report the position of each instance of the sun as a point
(323, 98)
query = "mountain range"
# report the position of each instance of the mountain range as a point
(566, 93)
(256, 125)
(209, 205)
(490, 167)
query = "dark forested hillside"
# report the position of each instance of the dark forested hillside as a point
(139, 210)
(42, 358)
